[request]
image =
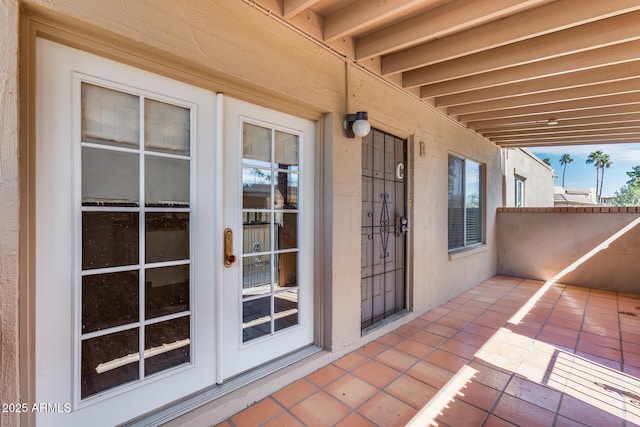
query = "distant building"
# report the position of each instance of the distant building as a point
(526, 180)
(572, 197)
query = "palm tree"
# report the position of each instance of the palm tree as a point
(564, 161)
(595, 158)
(605, 163)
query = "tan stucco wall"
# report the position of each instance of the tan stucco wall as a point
(8, 207)
(268, 63)
(569, 246)
(538, 184)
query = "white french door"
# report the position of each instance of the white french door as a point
(268, 211)
(134, 187)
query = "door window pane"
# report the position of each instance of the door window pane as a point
(286, 151)
(256, 145)
(286, 194)
(110, 178)
(109, 239)
(166, 182)
(287, 272)
(166, 290)
(109, 361)
(256, 232)
(110, 117)
(256, 275)
(256, 318)
(167, 344)
(256, 188)
(167, 235)
(109, 300)
(287, 230)
(285, 308)
(167, 128)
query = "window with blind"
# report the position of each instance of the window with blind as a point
(465, 219)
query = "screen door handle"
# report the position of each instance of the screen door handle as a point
(229, 257)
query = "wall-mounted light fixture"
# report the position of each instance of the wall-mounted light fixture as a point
(357, 124)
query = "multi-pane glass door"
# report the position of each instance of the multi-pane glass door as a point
(135, 244)
(268, 292)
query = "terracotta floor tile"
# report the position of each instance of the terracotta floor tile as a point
(496, 422)
(585, 413)
(351, 390)
(411, 391)
(446, 360)
(414, 348)
(566, 422)
(470, 339)
(557, 340)
(430, 374)
(632, 359)
(319, 409)
(561, 330)
(533, 393)
(396, 359)
(462, 314)
(483, 331)
(350, 361)
(441, 330)
(460, 349)
(478, 395)
(224, 424)
(490, 376)
(390, 339)
(294, 393)
(355, 420)
(452, 322)
(406, 331)
(428, 338)
(257, 413)
(522, 413)
(431, 316)
(459, 413)
(284, 420)
(597, 350)
(376, 373)
(419, 323)
(371, 349)
(385, 410)
(324, 376)
(614, 343)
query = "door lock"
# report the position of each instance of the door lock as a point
(229, 257)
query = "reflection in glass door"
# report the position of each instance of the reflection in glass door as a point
(270, 249)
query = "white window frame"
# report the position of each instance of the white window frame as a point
(482, 168)
(518, 201)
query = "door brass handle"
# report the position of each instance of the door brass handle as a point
(229, 257)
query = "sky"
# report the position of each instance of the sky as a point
(582, 175)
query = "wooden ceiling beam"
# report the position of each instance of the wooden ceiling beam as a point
(560, 116)
(563, 135)
(363, 14)
(615, 54)
(571, 141)
(449, 18)
(542, 20)
(555, 107)
(610, 73)
(611, 31)
(575, 123)
(556, 96)
(293, 7)
(554, 130)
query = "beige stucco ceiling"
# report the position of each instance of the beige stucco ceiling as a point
(504, 68)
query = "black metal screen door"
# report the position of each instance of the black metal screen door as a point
(383, 226)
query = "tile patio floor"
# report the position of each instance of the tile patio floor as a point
(507, 352)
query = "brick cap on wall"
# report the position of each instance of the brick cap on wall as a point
(593, 209)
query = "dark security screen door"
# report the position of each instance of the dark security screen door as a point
(383, 226)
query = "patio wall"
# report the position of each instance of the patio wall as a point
(595, 247)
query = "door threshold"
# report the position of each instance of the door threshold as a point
(196, 400)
